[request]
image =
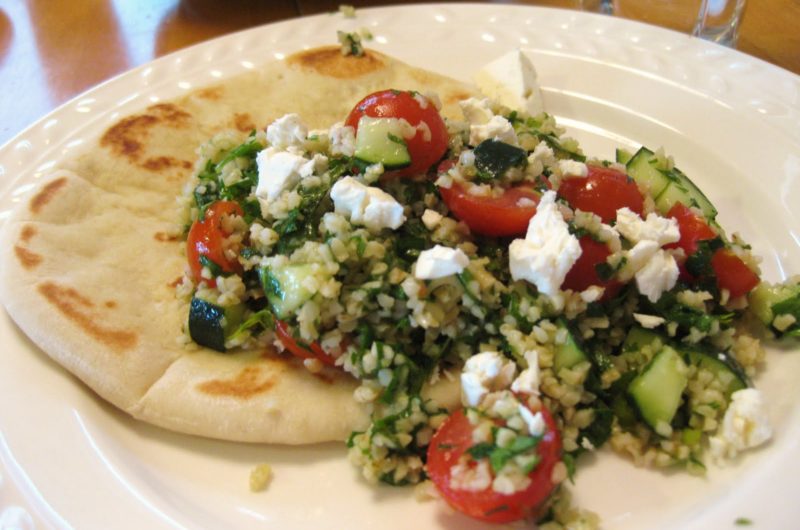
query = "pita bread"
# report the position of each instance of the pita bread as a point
(91, 278)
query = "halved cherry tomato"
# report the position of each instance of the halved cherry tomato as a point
(583, 273)
(314, 350)
(205, 239)
(732, 273)
(454, 438)
(429, 143)
(506, 215)
(603, 191)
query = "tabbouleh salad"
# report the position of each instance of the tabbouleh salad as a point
(582, 302)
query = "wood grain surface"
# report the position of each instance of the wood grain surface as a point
(51, 51)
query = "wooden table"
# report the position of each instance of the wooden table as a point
(51, 51)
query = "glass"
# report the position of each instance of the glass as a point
(714, 20)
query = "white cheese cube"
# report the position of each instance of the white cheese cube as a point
(366, 205)
(662, 230)
(277, 171)
(512, 81)
(343, 139)
(534, 421)
(744, 426)
(497, 128)
(476, 111)
(287, 131)
(657, 276)
(528, 380)
(548, 251)
(484, 373)
(440, 261)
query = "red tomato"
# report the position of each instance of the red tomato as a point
(602, 192)
(584, 273)
(693, 228)
(732, 273)
(314, 350)
(425, 149)
(205, 239)
(453, 439)
(492, 216)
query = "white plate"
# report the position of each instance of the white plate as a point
(731, 121)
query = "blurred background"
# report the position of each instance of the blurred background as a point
(51, 51)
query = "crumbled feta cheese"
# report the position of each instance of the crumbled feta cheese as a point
(366, 205)
(287, 131)
(343, 139)
(440, 261)
(573, 168)
(318, 164)
(511, 80)
(657, 276)
(277, 171)
(648, 321)
(528, 380)
(662, 230)
(431, 218)
(484, 373)
(497, 128)
(476, 111)
(638, 256)
(541, 157)
(535, 422)
(744, 426)
(548, 251)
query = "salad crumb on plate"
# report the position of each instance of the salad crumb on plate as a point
(581, 302)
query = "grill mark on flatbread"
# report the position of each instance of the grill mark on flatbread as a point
(73, 305)
(160, 163)
(211, 93)
(248, 383)
(46, 194)
(243, 122)
(26, 257)
(331, 62)
(165, 237)
(127, 138)
(111, 304)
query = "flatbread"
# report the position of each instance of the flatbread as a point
(92, 274)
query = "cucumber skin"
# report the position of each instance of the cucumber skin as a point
(206, 326)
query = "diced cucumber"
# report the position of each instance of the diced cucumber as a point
(382, 140)
(667, 186)
(284, 287)
(724, 368)
(623, 156)
(657, 391)
(638, 338)
(570, 352)
(210, 324)
(493, 158)
(779, 303)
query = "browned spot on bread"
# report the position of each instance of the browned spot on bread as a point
(28, 231)
(330, 61)
(160, 163)
(165, 237)
(111, 304)
(176, 282)
(28, 259)
(126, 138)
(211, 93)
(243, 122)
(325, 377)
(248, 383)
(74, 306)
(46, 194)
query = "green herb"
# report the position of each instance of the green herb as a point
(699, 263)
(742, 521)
(212, 267)
(351, 43)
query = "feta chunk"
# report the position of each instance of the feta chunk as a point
(497, 128)
(476, 111)
(484, 373)
(534, 421)
(573, 168)
(662, 230)
(548, 251)
(440, 261)
(277, 171)
(366, 205)
(528, 380)
(744, 426)
(657, 276)
(343, 139)
(512, 81)
(287, 131)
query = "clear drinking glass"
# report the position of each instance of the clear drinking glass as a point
(715, 20)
